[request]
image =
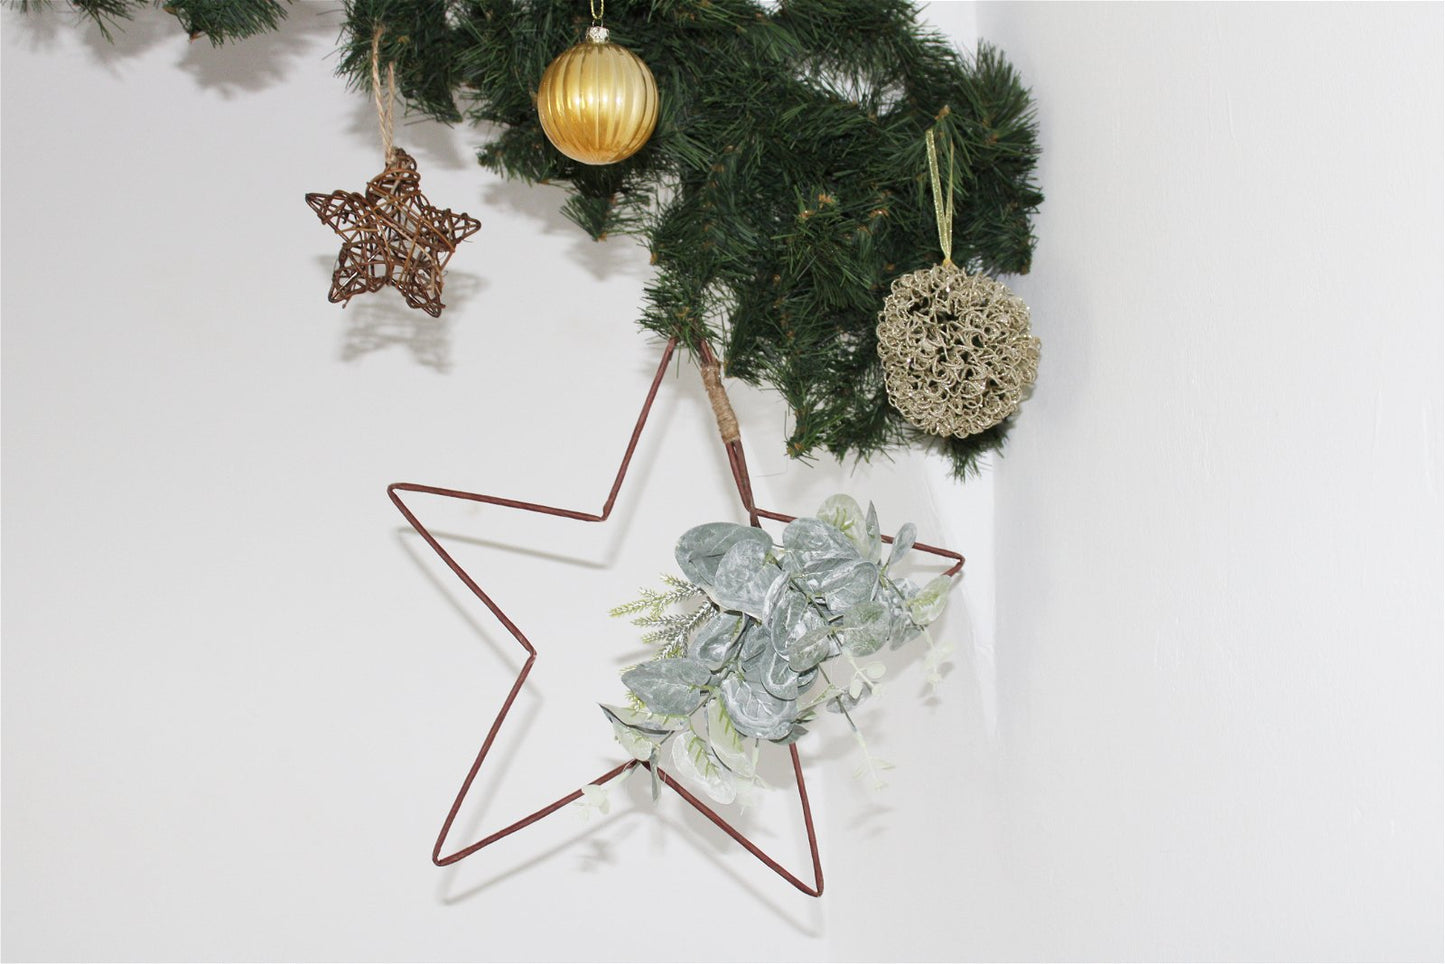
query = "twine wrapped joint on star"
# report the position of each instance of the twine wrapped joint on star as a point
(391, 235)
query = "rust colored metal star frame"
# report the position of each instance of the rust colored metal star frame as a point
(737, 463)
(391, 235)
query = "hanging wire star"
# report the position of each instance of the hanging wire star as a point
(391, 235)
(728, 429)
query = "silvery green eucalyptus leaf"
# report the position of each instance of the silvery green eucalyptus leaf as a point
(902, 542)
(842, 513)
(644, 721)
(792, 736)
(756, 712)
(901, 627)
(743, 578)
(694, 761)
(779, 678)
(751, 666)
(823, 630)
(791, 618)
(777, 592)
(874, 551)
(594, 797)
(811, 648)
(857, 692)
(702, 548)
(848, 585)
(754, 641)
(826, 563)
(813, 547)
(638, 744)
(671, 687)
(717, 640)
(865, 628)
(861, 630)
(928, 604)
(728, 744)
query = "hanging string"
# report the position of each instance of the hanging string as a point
(942, 213)
(598, 8)
(385, 98)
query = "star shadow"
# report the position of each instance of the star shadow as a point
(380, 322)
(691, 827)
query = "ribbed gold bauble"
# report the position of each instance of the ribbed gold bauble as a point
(597, 101)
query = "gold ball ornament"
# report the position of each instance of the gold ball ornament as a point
(956, 349)
(597, 101)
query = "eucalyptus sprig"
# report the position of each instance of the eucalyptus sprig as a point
(750, 662)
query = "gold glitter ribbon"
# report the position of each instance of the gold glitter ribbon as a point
(942, 213)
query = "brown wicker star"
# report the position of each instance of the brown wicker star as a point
(391, 235)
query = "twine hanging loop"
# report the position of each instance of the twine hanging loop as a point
(385, 97)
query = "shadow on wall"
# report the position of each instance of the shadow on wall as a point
(637, 811)
(620, 256)
(381, 320)
(434, 144)
(253, 64)
(439, 147)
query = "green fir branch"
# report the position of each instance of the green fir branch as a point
(783, 190)
(223, 20)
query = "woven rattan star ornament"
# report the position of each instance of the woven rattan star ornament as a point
(391, 235)
(957, 353)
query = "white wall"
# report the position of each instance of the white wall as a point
(1219, 523)
(238, 695)
(237, 699)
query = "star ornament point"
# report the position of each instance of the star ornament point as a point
(392, 235)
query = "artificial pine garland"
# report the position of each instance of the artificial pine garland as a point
(784, 188)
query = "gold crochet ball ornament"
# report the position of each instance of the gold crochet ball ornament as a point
(597, 101)
(956, 349)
